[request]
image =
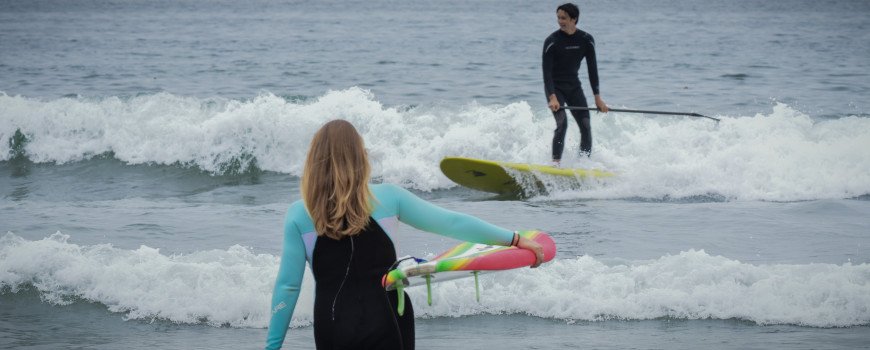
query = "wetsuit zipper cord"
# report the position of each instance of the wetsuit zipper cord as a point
(346, 273)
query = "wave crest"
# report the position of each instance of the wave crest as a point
(785, 155)
(233, 287)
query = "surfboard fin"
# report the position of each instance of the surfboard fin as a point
(400, 290)
(476, 286)
(428, 288)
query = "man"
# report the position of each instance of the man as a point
(564, 50)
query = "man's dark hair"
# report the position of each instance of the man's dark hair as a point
(572, 10)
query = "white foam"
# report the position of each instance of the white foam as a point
(234, 287)
(690, 285)
(781, 156)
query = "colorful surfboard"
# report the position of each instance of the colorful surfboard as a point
(504, 178)
(465, 259)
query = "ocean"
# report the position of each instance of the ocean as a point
(150, 149)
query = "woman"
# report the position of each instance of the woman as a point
(344, 228)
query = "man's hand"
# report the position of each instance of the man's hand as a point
(554, 103)
(602, 107)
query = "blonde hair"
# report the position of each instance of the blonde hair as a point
(335, 181)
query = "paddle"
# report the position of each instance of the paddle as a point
(640, 111)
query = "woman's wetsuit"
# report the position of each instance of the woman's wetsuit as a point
(369, 255)
(351, 308)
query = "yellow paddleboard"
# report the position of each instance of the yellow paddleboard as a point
(505, 178)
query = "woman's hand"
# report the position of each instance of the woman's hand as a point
(536, 248)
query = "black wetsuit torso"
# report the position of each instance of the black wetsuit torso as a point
(563, 54)
(351, 308)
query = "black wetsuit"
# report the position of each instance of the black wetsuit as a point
(351, 308)
(562, 56)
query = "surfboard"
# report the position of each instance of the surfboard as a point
(505, 178)
(465, 260)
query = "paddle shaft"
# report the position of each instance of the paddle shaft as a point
(641, 111)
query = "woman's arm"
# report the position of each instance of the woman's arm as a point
(288, 284)
(426, 216)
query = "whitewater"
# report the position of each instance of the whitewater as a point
(753, 157)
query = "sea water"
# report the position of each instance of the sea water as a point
(149, 152)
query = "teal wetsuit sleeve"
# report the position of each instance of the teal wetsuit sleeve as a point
(288, 284)
(426, 216)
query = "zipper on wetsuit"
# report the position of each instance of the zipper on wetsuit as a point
(346, 273)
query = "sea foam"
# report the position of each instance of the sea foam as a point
(778, 155)
(233, 287)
